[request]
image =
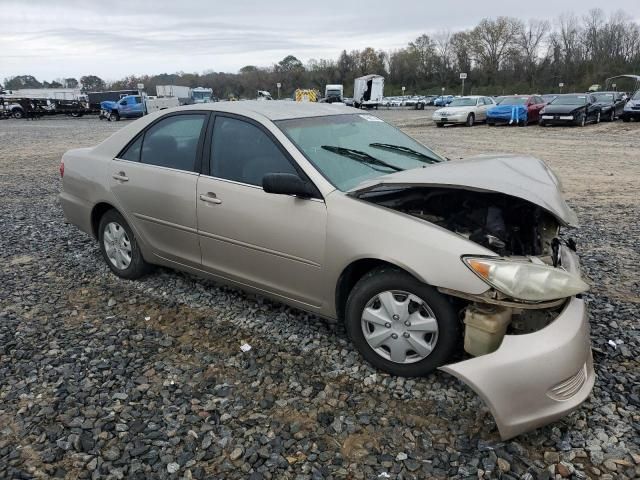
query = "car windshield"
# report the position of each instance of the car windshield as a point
(570, 100)
(604, 97)
(637, 95)
(512, 100)
(463, 102)
(349, 149)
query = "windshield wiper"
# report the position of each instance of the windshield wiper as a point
(360, 156)
(407, 150)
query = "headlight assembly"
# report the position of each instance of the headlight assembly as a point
(523, 280)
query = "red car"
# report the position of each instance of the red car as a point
(534, 104)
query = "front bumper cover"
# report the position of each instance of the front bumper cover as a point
(536, 378)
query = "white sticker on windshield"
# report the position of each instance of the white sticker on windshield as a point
(370, 118)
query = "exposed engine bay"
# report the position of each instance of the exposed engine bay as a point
(504, 224)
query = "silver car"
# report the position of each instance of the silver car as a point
(466, 110)
(429, 263)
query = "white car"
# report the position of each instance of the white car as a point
(467, 110)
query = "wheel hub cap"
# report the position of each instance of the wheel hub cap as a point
(399, 326)
(117, 245)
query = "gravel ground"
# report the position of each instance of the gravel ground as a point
(104, 378)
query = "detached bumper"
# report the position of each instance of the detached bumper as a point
(534, 379)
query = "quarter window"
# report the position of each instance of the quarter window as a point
(133, 152)
(242, 152)
(173, 142)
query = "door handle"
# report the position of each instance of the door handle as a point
(210, 197)
(121, 176)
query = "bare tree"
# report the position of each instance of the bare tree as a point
(530, 38)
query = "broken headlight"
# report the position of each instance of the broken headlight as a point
(524, 280)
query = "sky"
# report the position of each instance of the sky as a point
(113, 38)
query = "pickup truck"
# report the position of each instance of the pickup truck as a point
(132, 106)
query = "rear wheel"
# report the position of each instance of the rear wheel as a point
(119, 247)
(626, 119)
(17, 113)
(471, 118)
(399, 324)
(439, 124)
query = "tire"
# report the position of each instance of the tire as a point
(583, 120)
(440, 329)
(17, 113)
(470, 120)
(626, 119)
(439, 124)
(598, 115)
(491, 124)
(612, 116)
(522, 123)
(120, 237)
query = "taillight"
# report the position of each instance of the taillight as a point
(61, 169)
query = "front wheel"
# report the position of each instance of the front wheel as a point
(582, 121)
(439, 124)
(399, 324)
(612, 116)
(120, 248)
(470, 120)
(626, 119)
(597, 118)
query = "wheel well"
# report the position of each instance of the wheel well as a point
(96, 214)
(350, 276)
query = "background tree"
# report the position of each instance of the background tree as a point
(21, 81)
(92, 83)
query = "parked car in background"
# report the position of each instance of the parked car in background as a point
(443, 100)
(632, 108)
(465, 110)
(611, 104)
(338, 213)
(516, 110)
(571, 109)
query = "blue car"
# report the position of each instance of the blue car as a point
(443, 100)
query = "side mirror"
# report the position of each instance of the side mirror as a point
(287, 184)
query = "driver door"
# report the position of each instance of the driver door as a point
(275, 243)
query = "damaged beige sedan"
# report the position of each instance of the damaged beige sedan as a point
(429, 263)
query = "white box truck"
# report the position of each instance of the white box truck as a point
(368, 91)
(185, 95)
(333, 93)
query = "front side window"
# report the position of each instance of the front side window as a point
(173, 142)
(350, 149)
(242, 152)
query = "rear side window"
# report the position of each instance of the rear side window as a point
(242, 152)
(173, 142)
(133, 151)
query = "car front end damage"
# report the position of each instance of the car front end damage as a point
(542, 368)
(526, 338)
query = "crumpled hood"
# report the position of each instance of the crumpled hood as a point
(523, 177)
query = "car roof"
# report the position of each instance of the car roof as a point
(274, 109)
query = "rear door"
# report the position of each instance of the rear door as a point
(154, 180)
(275, 243)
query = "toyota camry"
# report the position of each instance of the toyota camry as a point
(457, 265)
